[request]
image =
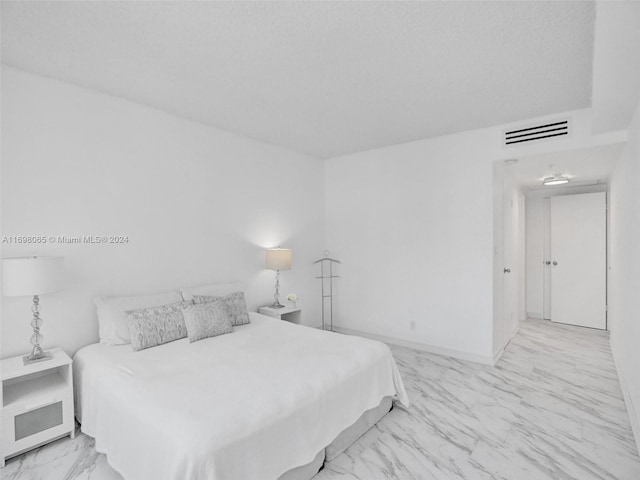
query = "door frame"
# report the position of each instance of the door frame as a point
(503, 180)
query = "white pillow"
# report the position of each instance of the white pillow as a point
(113, 326)
(212, 290)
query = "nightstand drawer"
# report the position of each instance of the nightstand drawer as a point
(37, 403)
(23, 429)
(13, 446)
(37, 420)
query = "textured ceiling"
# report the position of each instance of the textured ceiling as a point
(326, 78)
(585, 166)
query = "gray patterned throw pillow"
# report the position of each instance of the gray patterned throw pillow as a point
(153, 326)
(206, 320)
(235, 302)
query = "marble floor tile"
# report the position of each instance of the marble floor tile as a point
(550, 409)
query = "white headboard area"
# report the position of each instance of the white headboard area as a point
(196, 205)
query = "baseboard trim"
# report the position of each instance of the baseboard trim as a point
(498, 354)
(535, 315)
(447, 352)
(631, 412)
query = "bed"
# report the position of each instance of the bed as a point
(262, 403)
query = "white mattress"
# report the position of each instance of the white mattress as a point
(249, 405)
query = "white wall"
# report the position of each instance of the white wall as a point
(624, 275)
(413, 224)
(415, 246)
(198, 205)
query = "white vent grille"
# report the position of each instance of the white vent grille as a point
(538, 132)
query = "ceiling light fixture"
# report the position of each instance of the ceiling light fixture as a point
(555, 180)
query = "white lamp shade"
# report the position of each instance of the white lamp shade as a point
(27, 276)
(278, 259)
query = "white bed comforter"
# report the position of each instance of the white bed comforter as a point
(249, 405)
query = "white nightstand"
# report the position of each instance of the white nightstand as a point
(37, 403)
(293, 315)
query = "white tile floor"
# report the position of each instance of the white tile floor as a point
(551, 409)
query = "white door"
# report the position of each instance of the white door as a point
(508, 257)
(510, 270)
(546, 222)
(578, 259)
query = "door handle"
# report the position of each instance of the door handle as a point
(507, 270)
(548, 262)
(555, 263)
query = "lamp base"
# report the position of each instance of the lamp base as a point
(40, 357)
(276, 305)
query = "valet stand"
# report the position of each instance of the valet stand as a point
(326, 278)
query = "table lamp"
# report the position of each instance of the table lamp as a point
(27, 276)
(278, 259)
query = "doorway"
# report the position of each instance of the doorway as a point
(518, 184)
(568, 221)
(575, 262)
(509, 256)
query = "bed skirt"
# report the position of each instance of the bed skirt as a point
(343, 441)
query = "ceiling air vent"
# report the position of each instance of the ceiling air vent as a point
(537, 132)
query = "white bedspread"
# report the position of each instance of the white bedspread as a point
(249, 405)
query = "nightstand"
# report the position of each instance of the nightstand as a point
(293, 315)
(37, 403)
